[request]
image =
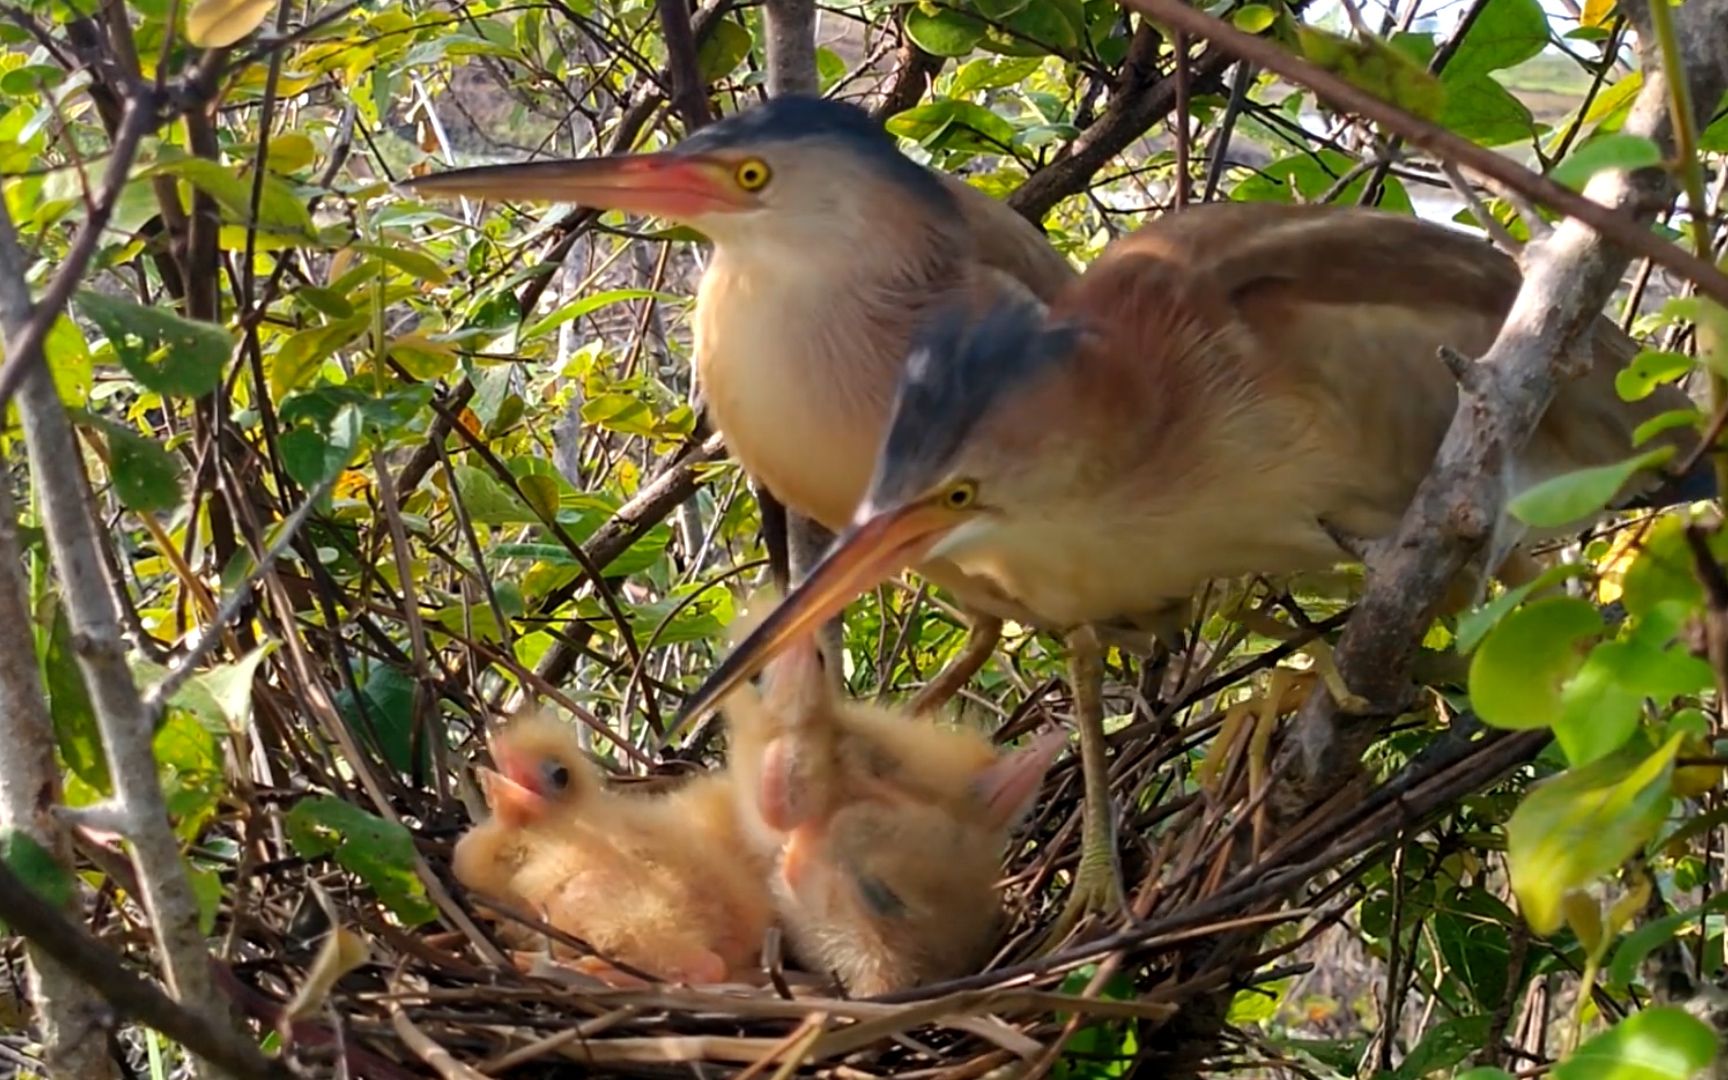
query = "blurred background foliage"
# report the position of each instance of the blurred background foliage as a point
(489, 409)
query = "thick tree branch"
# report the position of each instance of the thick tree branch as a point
(1632, 235)
(914, 71)
(130, 996)
(791, 31)
(1567, 279)
(56, 468)
(70, 1015)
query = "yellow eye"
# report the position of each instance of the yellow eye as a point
(752, 175)
(961, 495)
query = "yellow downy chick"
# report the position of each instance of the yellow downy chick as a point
(664, 883)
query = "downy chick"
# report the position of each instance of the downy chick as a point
(664, 883)
(889, 830)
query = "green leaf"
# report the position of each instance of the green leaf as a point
(217, 24)
(990, 73)
(1625, 152)
(1603, 702)
(229, 687)
(1582, 824)
(1376, 67)
(1485, 112)
(1039, 28)
(280, 209)
(75, 730)
(1663, 571)
(379, 852)
(1471, 928)
(490, 502)
(1445, 1045)
(1253, 18)
(1518, 675)
(1623, 969)
(207, 890)
(591, 303)
(1474, 625)
(69, 359)
(409, 259)
(1664, 422)
(302, 354)
(1569, 499)
(36, 867)
(1505, 33)
(168, 354)
(1648, 370)
(1660, 1043)
(1307, 177)
(387, 721)
(944, 31)
(146, 477)
(1486, 1072)
(720, 53)
(953, 125)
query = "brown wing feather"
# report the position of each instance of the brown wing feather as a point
(1007, 242)
(1348, 308)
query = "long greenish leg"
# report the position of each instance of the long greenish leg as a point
(1098, 885)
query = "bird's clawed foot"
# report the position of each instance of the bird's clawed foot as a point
(980, 643)
(1359, 548)
(1317, 650)
(1098, 889)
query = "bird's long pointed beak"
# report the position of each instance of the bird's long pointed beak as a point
(862, 558)
(510, 801)
(668, 185)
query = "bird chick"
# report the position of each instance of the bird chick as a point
(663, 883)
(889, 830)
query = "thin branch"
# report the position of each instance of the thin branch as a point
(130, 996)
(689, 100)
(56, 469)
(1136, 102)
(24, 345)
(70, 1015)
(208, 635)
(1628, 234)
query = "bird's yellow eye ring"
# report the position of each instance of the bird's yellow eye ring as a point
(752, 175)
(960, 496)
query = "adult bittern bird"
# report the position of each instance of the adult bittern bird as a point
(1231, 390)
(831, 249)
(887, 830)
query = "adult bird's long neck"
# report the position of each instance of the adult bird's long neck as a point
(800, 342)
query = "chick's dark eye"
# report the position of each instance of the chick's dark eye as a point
(960, 496)
(556, 776)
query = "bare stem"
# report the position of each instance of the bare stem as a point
(57, 472)
(1691, 171)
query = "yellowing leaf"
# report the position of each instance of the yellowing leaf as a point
(1597, 12)
(290, 152)
(1582, 824)
(217, 24)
